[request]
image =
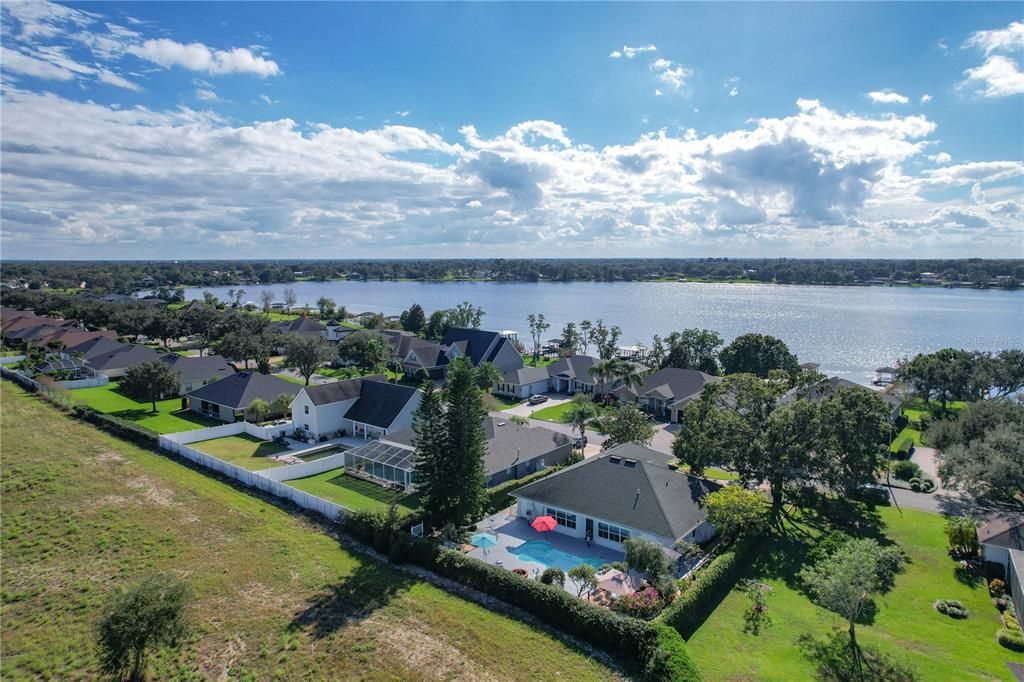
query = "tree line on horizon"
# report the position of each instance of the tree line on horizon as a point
(129, 276)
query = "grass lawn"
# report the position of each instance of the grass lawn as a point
(242, 450)
(555, 413)
(354, 373)
(905, 626)
(352, 492)
(715, 473)
(541, 361)
(907, 432)
(504, 402)
(169, 418)
(274, 596)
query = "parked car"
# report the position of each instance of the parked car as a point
(538, 399)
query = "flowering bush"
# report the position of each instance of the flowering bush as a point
(643, 604)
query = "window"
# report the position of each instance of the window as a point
(562, 518)
(610, 532)
(306, 408)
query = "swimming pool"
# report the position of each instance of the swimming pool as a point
(543, 552)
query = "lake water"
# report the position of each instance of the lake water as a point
(848, 330)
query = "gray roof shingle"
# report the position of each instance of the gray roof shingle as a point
(380, 403)
(198, 369)
(238, 390)
(628, 485)
(339, 391)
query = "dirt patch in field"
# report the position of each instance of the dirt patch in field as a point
(109, 456)
(151, 491)
(420, 649)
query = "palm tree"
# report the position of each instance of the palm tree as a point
(487, 374)
(580, 411)
(604, 371)
(628, 374)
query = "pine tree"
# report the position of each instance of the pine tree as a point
(429, 428)
(465, 443)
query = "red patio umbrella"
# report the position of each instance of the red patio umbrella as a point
(542, 524)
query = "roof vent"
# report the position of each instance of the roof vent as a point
(631, 463)
(614, 460)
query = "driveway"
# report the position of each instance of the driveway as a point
(525, 409)
(925, 458)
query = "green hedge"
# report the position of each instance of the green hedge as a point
(116, 426)
(637, 642)
(671, 660)
(499, 496)
(713, 582)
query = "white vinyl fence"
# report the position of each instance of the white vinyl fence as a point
(232, 429)
(91, 382)
(253, 479)
(11, 359)
(317, 466)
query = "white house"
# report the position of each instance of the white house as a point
(369, 407)
(1000, 535)
(628, 491)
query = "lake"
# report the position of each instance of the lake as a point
(848, 330)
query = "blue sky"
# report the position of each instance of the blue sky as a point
(190, 130)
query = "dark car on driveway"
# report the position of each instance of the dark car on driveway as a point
(538, 399)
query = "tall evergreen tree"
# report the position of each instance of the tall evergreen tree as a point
(429, 429)
(465, 442)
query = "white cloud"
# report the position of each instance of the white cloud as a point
(403, 114)
(925, 99)
(268, 100)
(999, 76)
(734, 92)
(672, 74)
(998, 40)
(977, 194)
(816, 180)
(631, 52)
(206, 95)
(199, 57)
(658, 92)
(887, 96)
(24, 64)
(941, 157)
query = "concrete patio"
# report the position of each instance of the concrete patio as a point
(513, 532)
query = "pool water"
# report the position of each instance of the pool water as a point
(320, 454)
(543, 552)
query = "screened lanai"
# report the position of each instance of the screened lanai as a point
(383, 462)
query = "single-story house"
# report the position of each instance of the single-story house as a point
(816, 393)
(302, 326)
(513, 450)
(227, 399)
(197, 372)
(628, 491)
(523, 382)
(70, 337)
(370, 407)
(1000, 535)
(667, 391)
(114, 362)
(572, 375)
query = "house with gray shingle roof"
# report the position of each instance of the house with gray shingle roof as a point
(477, 345)
(228, 398)
(667, 391)
(628, 491)
(368, 407)
(197, 371)
(512, 450)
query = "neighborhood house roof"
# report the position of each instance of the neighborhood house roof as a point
(816, 393)
(1005, 531)
(525, 375)
(198, 369)
(124, 357)
(95, 347)
(670, 383)
(380, 403)
(507, 442)
(472, 343)
(573, 367)
(301, 325)
(630, 486)
(339, 391)
(238, 390)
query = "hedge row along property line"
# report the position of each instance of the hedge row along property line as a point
(701, 597)
(653, 649)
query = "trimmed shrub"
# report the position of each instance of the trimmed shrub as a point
(951, 608)
(996, 587)
(498, 497)
(670, 660)
(905, 447)
(915, 485)
(1010, 639)
(906, 470)
(553, 575)
(927, 485)
(713, 581)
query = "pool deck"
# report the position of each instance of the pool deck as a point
(512, 532)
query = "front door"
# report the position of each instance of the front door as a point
(590, 530)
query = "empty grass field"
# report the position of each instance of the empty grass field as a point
(169, 417)
(274, 596)
(352, 492)
(906, 626)
(555, 413)
(242, 450)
